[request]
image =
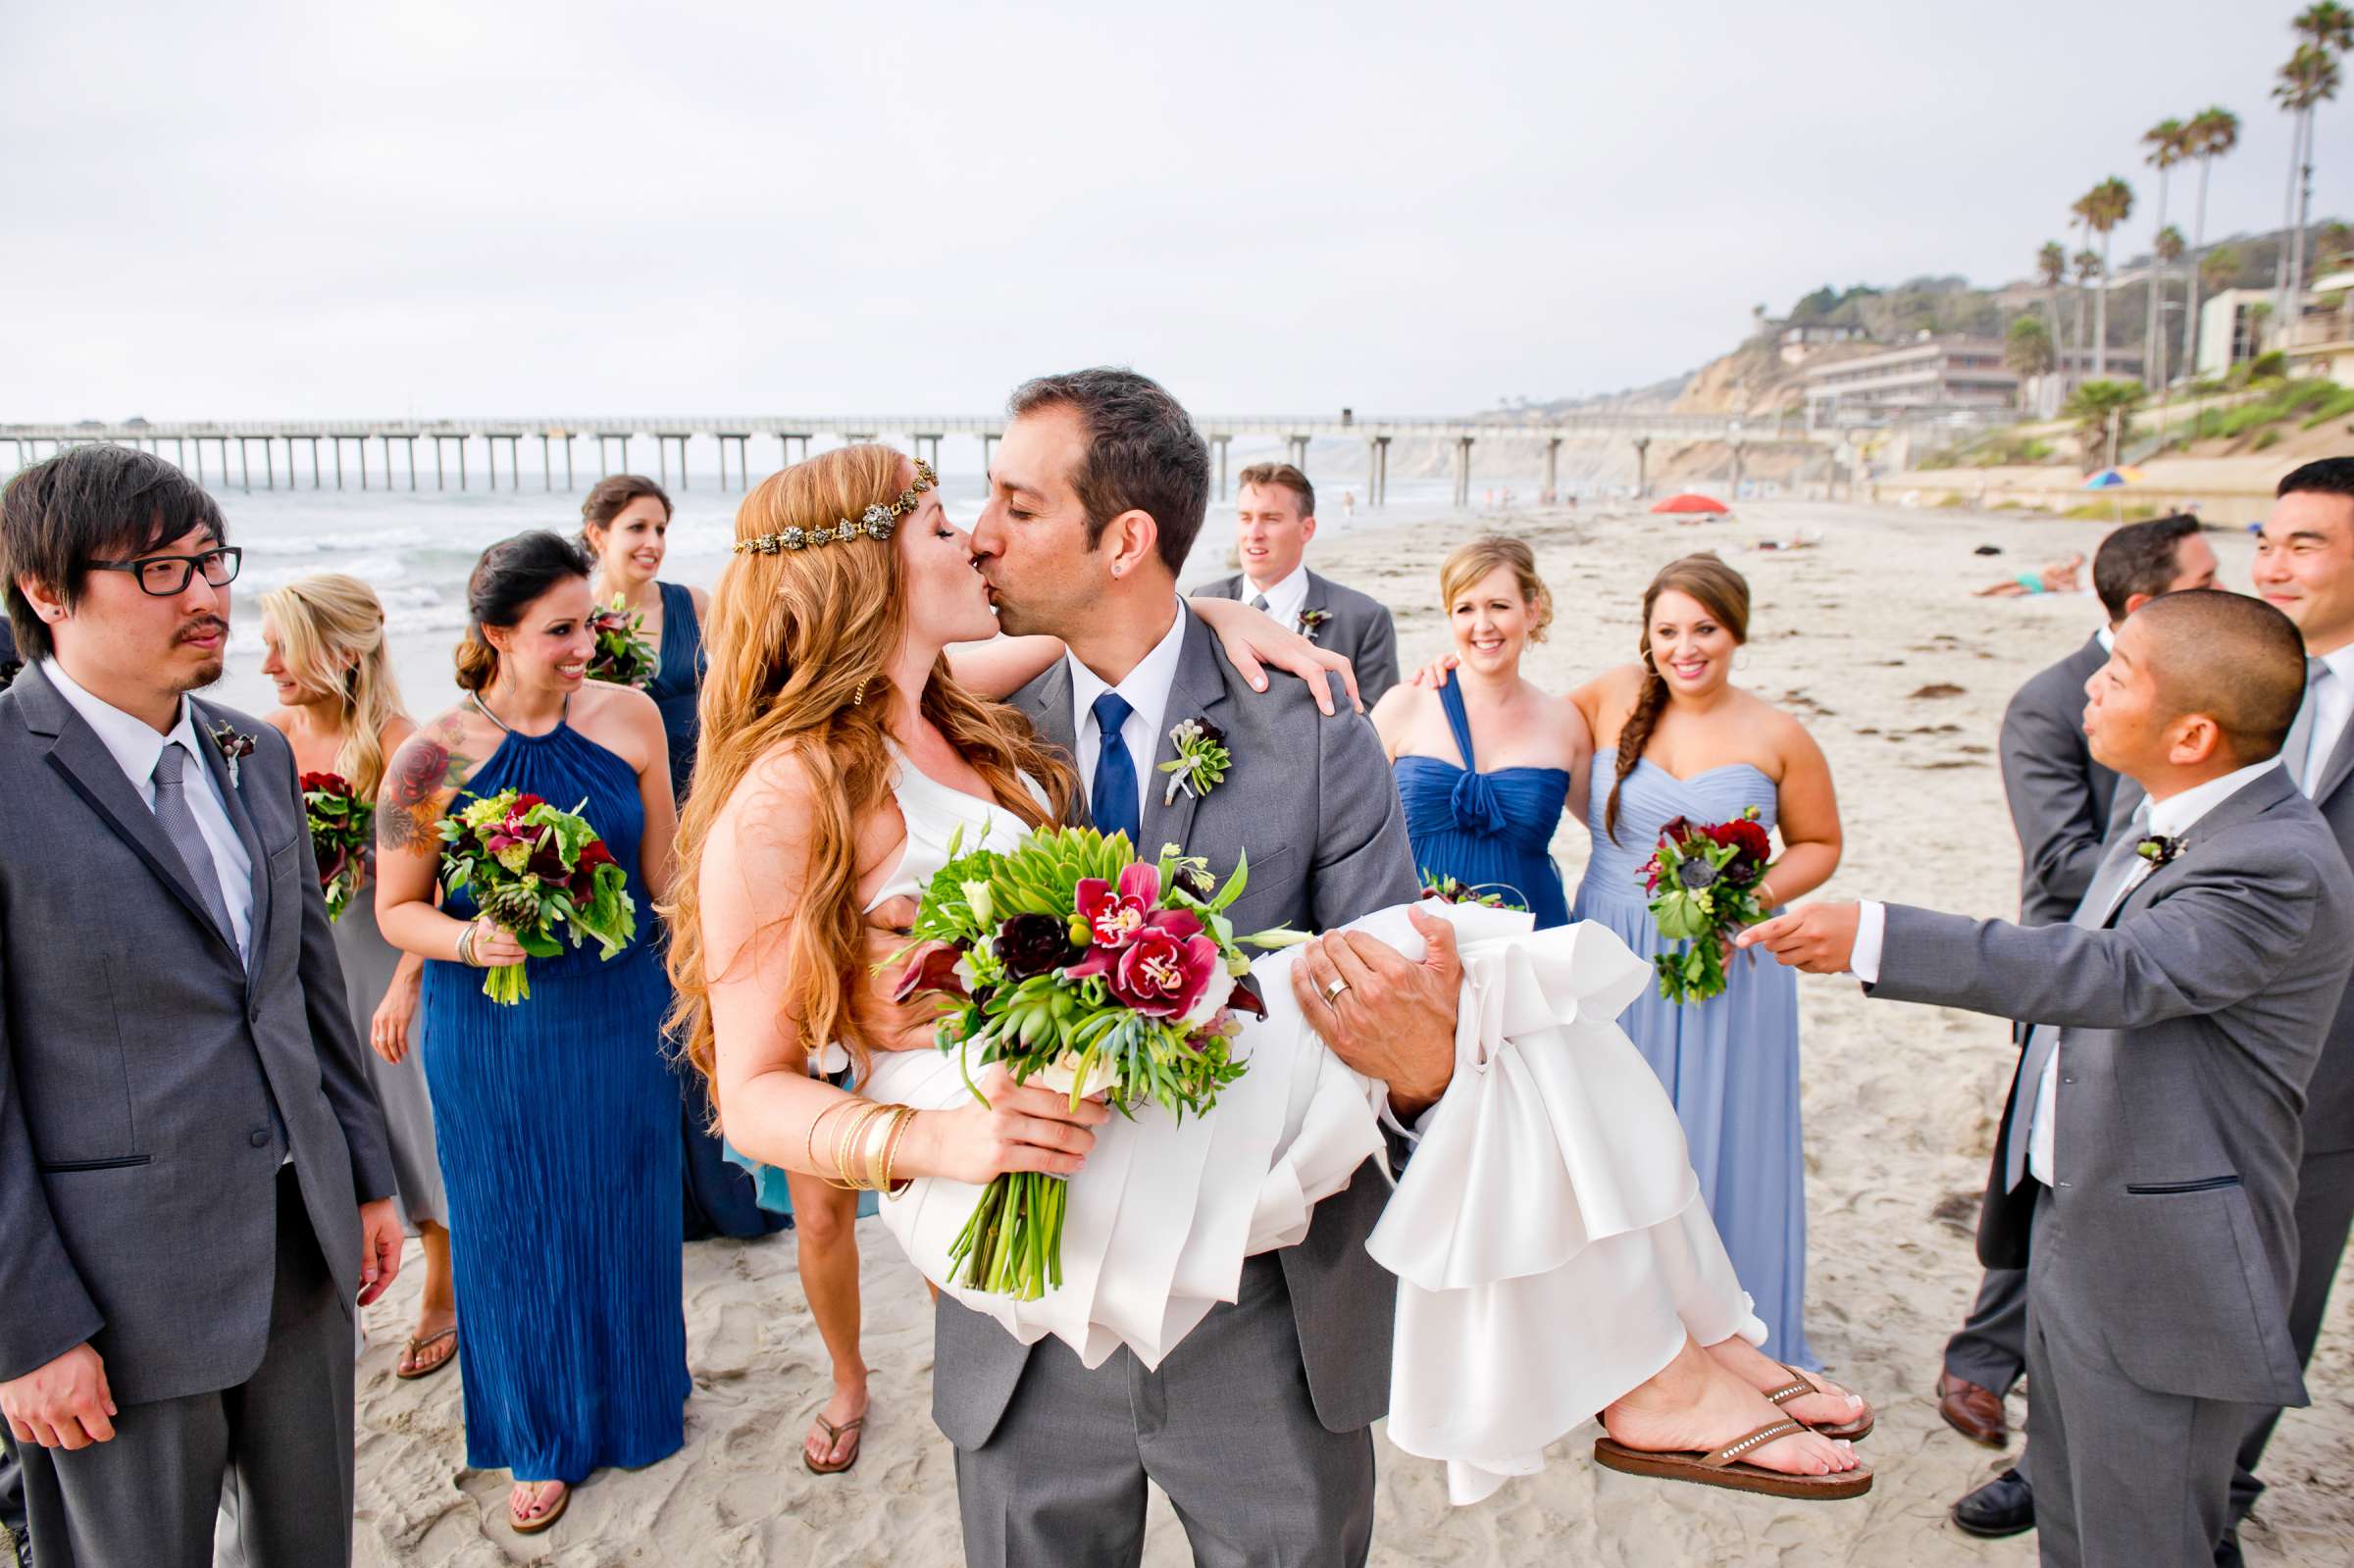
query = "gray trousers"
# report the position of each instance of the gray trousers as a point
(1225, 1427)
(2324, 1214)
(282, 1441)
(2124, 1478)
(1990, 1348)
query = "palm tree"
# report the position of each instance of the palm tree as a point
(2079, 210)
(2089, 268)
(2051, 266)
(2168, 247)
(2325, 31)
(2168, 142)
(2220, 268)
(2027, 351)
(2103, 410)
(2214, 131)
(2335, 245)
(2107, 205)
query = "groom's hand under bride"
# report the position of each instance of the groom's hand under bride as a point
(1819, 939)
(1385, 1015)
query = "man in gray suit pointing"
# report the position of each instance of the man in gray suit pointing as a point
(194, 1178)
(2060, 800)
(2146, 1172)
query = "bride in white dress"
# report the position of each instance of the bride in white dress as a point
(1554, 1259)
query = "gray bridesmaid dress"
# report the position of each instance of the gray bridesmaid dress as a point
(368, 964)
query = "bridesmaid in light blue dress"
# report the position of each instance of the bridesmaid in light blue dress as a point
(1678, 739)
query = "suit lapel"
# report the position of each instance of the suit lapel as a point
(242, 820)
(2339, 767)
(1047, 702)
(93, 774)
(1197, 692)
(2251, 801)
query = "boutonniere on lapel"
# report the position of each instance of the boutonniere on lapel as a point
(1313, 622)
(2159, 850)
(234, 746)
(9, 669)
(1202, 760)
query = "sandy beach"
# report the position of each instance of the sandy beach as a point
(1873, 638)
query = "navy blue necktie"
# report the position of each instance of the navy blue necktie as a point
(1112, 799)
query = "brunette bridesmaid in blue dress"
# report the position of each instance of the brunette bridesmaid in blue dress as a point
(1487, 760)
(1679, 740)
(624, 524)
(557, 1117)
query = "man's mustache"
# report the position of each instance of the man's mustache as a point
(202, 626)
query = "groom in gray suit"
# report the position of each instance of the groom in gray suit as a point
(2146, 1173)
(194, 1178)
(1256, 1426)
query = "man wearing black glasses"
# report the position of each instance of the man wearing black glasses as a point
(194, 1180)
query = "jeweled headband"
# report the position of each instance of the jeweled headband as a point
(877, 521)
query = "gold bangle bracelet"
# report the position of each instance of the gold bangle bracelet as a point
(834, 1147)
(848, 1141)
(809, 1148)
(871, 1148)
(891, 1152)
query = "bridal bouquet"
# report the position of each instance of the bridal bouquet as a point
(1704, 881)
(1071, 962)
(621, 657)
(541, 873)
(342, 828)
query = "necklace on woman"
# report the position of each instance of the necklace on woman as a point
(483, 708)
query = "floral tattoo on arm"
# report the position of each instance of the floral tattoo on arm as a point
(423, 772)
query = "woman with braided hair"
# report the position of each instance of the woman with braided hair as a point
(1675, 738)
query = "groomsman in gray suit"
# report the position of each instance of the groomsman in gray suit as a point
(1275, 518)
(1256, 1425)
(194, 1178)
(2060, 800)
(2146, 1174)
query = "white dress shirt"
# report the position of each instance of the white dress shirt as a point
(2332, 699)
(2171, 818)
(134, 745)
(1147, 693)
(1285, 600)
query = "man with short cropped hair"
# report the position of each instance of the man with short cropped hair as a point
(1275, 519)
(2060, 800)
(2146, 1172)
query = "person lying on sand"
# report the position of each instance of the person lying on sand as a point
(2060, 577)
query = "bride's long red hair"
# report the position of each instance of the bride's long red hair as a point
(796, 640)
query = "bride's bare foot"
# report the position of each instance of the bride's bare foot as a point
(1830, 1406)
(1696, 1406)
(848, 1404)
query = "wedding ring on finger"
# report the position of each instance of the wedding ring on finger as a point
(1332, 992)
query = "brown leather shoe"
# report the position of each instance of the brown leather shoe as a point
(1974, 1412)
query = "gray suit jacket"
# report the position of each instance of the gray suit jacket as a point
(2329, 1097)
(2190, 1025)
(151, 1083)
(1312, 801)
(1360, 628)
(2059, 796)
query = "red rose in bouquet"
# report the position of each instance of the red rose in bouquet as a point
(541, 873)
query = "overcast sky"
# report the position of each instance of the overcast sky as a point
(501, 209)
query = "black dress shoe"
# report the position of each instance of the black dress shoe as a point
(2004, 1507)
(2227, 1550)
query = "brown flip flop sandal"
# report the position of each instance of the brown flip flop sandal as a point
(1800, 1387)
(533, 1527)
(416, 1344)
(1725, 1467)
(854, 1429)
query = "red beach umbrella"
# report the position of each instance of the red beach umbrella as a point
(1689, 502)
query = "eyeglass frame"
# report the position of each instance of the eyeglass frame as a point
(234, 555)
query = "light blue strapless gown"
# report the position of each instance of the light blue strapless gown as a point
(1730, 1063)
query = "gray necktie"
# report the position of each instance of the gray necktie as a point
(2109, 884)
(2297, 750)
(179, 826)
(1258, 602)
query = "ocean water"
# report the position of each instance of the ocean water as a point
(415, 548)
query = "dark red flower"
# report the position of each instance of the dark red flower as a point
(1115, 914)
(334, 783)
(1754, 846)
(932, 969)
(1035, 945)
